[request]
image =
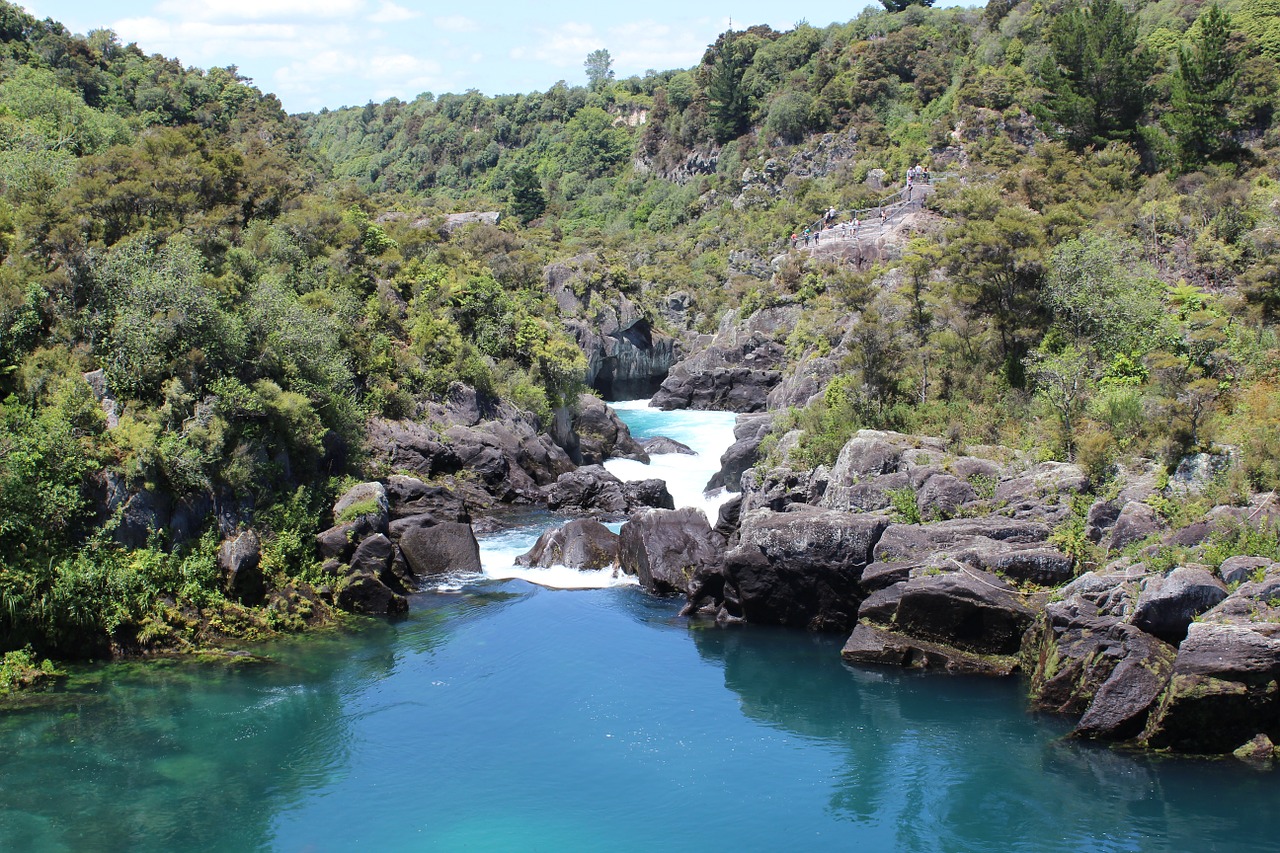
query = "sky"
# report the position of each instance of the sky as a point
(333, 53)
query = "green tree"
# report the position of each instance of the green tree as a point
(730, 106)
(903, 5)
(1201, 117)
(1103, 69)
(599, 67)
(528, 201)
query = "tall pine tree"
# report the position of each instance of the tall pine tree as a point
(1101, 73)
(1201, 117)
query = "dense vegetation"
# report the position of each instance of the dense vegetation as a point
(1104, 281)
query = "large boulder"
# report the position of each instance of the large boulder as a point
(1135, 522)
(240, 565)
(1094, 666)
(1167, 604)
(968, 610)
(408, 496)
(800, 568)
(581, 544)
(1222, 693)
(668, 549)
(363, 592)
(661, 444)
(433, 547)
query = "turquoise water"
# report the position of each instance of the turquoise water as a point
(503, 716)
(511, 717)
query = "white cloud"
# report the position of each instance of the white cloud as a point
(564, 46)
(647, 44)
(457, 24)
(390, 13)
(258, 10)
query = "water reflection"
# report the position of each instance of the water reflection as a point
(957, 764)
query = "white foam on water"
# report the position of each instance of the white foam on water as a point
(706, 433)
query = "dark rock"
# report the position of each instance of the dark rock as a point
(589, 489)
(1101, 518)
(432, 549)
(668, 549)
(871, 644)
(375, 556)
(972, 611)
(240, 564)
(362, 592)
(882, 604)
(916, 542)
(1198, 470)
(1191, 535)
(1167, 605)
(598, 434)
(661, 444)
(1243, 569)
(647, 493)
(748, 432)
(580, 544)
(144, 514)
(800, 568)
(339, 542)
(729, 517)
(1042, 566)
(407, 496)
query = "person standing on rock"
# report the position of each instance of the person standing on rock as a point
(795, 240)
(806, 236)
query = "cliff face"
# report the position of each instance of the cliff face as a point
(627, 358)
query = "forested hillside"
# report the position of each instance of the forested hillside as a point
(1096, 276)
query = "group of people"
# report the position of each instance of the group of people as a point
(914, 173)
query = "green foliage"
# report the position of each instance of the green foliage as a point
(903, 505)
(19, 670)
(1201, 117)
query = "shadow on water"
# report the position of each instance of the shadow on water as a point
(184, 755)
(955, 763)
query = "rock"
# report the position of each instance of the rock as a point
(1101, 517)
(363, 499)
(589, 489)
(1222, 692)
(580, 544)
(882, 604)
(408, 496)
(661, 444)
(361, 592)
(968, 610)
(1260, 749)
(748, 432)
(1043, 492)
(240, 564)
(1087, 663)
(942, 495)
(1198, 470)
(1041, 566)
(647, 493)
(667, 549)
(729, 518)
(800, 568)
(1167, 605)
(1136, 522)
(871, 644)
(432, 548)
(144, 513)
(627, 358)
(1243, 569)
(339, 542)
(374, 556)
(598, 435)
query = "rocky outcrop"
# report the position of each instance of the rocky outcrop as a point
(669, 549)
(736, 370)
(627, 358)
(593, 490)
(485, 451)
(748, 432)
(583, 543)
(592, 433)
(661, 444)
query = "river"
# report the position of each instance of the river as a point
(506, 715)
